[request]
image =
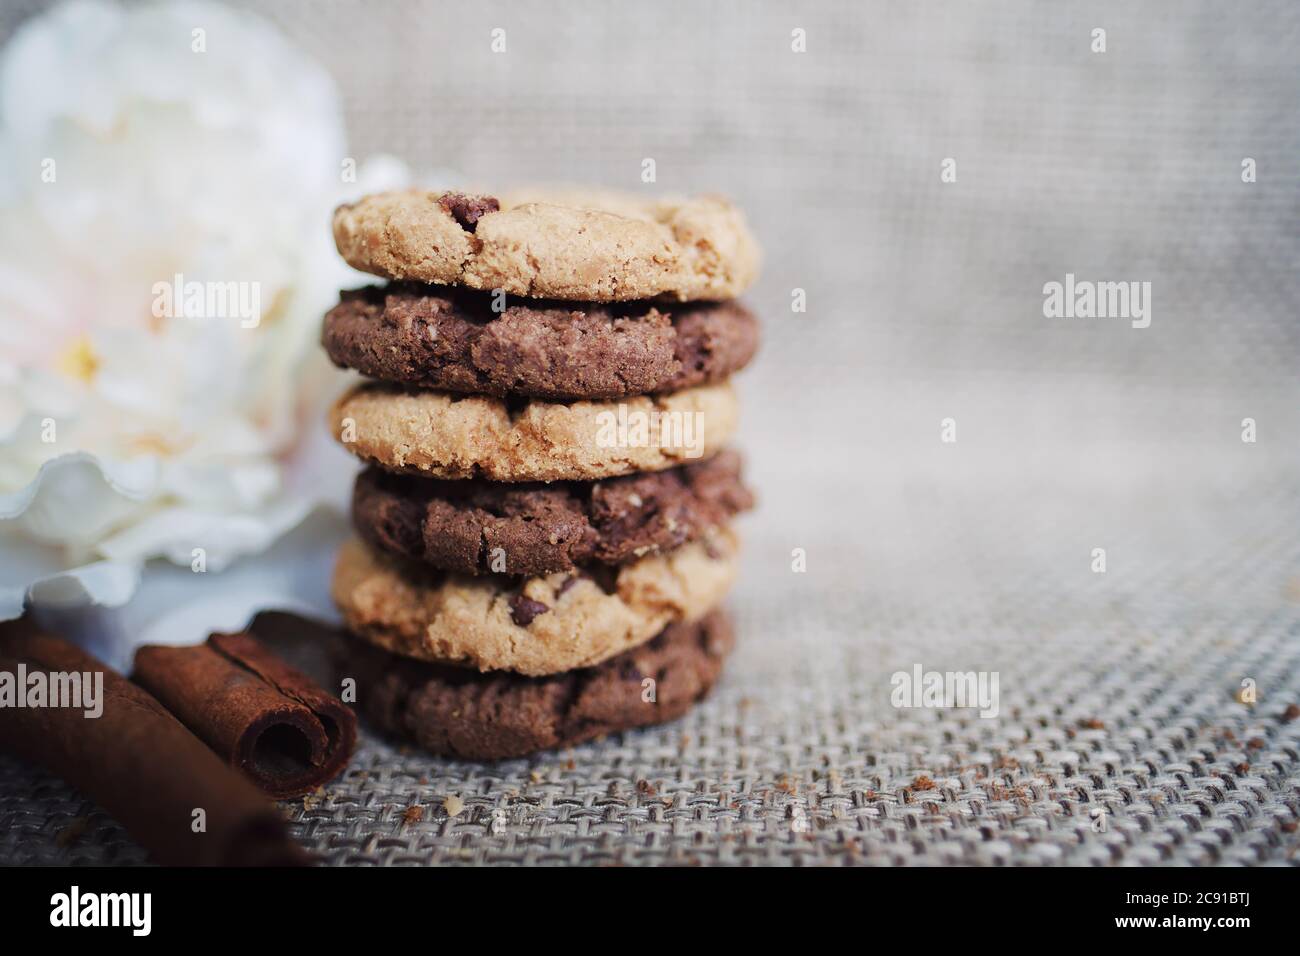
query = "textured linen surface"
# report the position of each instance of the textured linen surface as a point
(1120, 738)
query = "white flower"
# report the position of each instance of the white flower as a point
(137, 145)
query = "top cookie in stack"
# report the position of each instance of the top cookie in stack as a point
(579, 247)
(548, 493)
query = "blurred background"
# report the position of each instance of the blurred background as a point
(925, 302)
(924, 298)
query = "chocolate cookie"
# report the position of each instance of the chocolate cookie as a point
(459, 713)
(585, 246)
(442, 435)
(474, 527)
(451, 339)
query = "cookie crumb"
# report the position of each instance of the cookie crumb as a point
(69, 834)
(453, 805)
(413, 814)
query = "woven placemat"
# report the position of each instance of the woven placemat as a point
(1120, 738)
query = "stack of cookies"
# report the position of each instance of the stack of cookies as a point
(543, 526)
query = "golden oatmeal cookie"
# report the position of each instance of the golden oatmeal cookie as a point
(442, 435)
(534, 626)
(578, 246)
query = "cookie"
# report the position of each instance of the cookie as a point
(587, 247)
(539, 625)
(452, 339)
(443, 435)
(474, 527)
(457, 713)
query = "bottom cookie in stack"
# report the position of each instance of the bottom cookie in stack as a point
(458, 712)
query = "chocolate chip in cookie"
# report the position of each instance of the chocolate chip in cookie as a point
(523, 610)
(468, 210)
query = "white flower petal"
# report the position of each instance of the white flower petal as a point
(34, 573)
(220, 537)
(76, 498)
(175, 606)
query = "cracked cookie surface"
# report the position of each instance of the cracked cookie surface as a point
(588, 246)
(534, 626)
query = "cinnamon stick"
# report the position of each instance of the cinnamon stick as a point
(259, 714)
(137, 761)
